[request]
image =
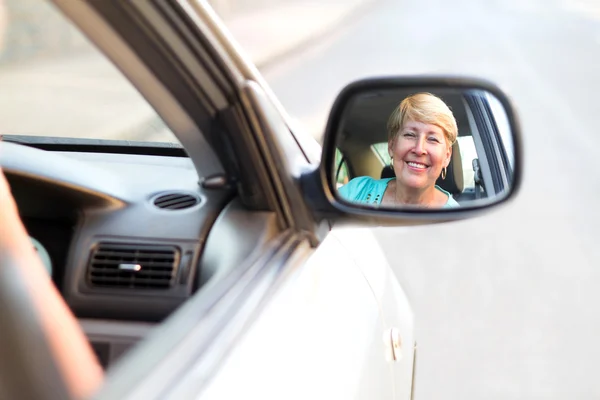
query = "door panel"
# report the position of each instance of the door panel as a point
(362, 246)
(319, 336)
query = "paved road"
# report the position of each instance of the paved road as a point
(508, 303)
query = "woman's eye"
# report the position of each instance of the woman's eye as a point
(409, 134)
(434, 139)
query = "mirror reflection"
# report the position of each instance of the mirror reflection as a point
(440, 149)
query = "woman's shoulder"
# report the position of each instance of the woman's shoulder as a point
(360, 184)
(359, 181)
(363, 181)
(355, 185)
(450, 202)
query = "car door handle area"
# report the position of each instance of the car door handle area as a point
(393, 344)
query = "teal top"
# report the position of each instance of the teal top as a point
(367, 190)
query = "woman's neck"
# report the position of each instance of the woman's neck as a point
(416, 197)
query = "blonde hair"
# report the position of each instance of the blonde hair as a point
(426, 108)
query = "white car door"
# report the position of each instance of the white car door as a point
(398, 335)
(320, 336)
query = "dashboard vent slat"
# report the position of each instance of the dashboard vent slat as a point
(134, 266)
(138, 255)
(176, 201)
(123, 274)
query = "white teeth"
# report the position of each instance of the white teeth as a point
(417, 165)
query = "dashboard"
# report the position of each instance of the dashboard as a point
(120, 234)
(128, 238)
(51, 240)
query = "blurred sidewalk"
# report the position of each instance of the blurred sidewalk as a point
(53, 84)
(269, 33)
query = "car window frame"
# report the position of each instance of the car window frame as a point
(485, 146)
(501, 139)
(491, 139)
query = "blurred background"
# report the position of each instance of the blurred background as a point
(506, 304)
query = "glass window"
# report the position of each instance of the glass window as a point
(342, 176)
(54, 82)
(467, 154)
(503, 125)
(381, 149)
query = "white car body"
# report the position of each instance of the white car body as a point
(327, 332)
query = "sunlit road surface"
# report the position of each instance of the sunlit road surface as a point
(507, 304)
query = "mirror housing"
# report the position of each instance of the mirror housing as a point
(495, 172)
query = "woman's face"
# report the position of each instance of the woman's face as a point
(419, 152)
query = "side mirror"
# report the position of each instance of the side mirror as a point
(420, 147)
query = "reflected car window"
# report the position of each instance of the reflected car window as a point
(503, 128)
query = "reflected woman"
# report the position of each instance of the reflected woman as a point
(421, 132)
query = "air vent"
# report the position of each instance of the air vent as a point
(176, 201)
(133, 266)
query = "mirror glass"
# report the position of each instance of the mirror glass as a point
(423, 148)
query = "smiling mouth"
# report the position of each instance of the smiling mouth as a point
(416, 165)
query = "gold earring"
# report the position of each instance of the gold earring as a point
(444, 173)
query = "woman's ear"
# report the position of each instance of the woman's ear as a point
(391, 148)
(448, 156)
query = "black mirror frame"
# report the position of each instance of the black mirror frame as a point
(388, 216)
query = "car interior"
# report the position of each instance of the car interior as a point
(129, 230)
(363, 142)
(130, 237)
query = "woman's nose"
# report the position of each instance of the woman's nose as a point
(419, 147)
